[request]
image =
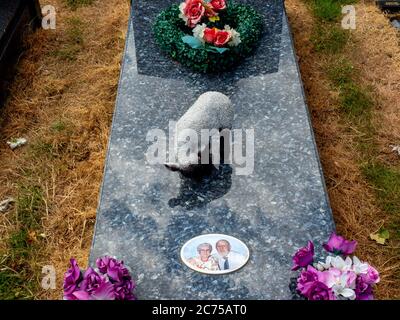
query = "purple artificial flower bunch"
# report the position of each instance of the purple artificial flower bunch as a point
(110, 281)
(340, 277)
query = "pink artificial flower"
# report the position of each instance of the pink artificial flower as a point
(372, 276)
(209, 10)
(217, 4)
(209, 35)
(306, 278)
(124, 290)
(104, 291)
(363, 290)
(340, 245)
(303, 257)
(72, 278)
(319, 291)
(222, 38)
(91, 281)
(351, 278)
(194, 11)
(114, 268)
(329, 277)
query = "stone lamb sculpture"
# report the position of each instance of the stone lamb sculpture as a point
(212, 110)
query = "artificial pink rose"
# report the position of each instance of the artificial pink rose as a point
(222, 38)
(319, 291)
(217, 4)
(91, 281)
(124, 290)
(306, 278)
(339, 245)
(372, 276)
(72, 278)
(303, 257)
(209, 10)
(209, 35)
(114, 268)
(194, 12)
(363, 290)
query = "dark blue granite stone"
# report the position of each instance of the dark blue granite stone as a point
(146, 213)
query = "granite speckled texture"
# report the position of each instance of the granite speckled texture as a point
(146, 213)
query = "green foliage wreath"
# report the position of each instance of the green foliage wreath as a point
(169, 29)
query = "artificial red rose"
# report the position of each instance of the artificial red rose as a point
(210, 34)
(218, 4)
(222, 38)
(209, 10)
(194, 11)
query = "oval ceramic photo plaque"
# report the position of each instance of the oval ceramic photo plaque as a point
(215, 254)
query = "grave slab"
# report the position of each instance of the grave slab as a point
(146, 213)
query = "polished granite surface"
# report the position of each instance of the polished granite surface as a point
(146, 213)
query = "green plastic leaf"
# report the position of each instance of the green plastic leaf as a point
(192, 41)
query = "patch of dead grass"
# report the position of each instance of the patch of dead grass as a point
(378, 58)
(356, 211)
(66, 160)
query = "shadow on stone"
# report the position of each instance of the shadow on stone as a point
(197, 191)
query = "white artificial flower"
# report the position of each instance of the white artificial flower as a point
(235, 36)
(319, 266)
(340, 289)
(182, 7)
(324, 265)
(359, 267)
(198, 32)
(343, 265)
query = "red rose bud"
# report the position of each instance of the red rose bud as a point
(194, 11)
(218, 4)
(222, 38)
(210, 34)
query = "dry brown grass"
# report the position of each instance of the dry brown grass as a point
(65, 105)
(378, 58)
(356, 212)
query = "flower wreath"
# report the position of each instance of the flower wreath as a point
(208, 35)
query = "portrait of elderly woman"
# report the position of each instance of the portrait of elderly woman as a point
(204, 260)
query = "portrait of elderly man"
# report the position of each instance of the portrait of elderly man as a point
(227, 258)
(204, 260)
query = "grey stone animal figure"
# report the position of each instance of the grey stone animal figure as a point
(212, 110)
